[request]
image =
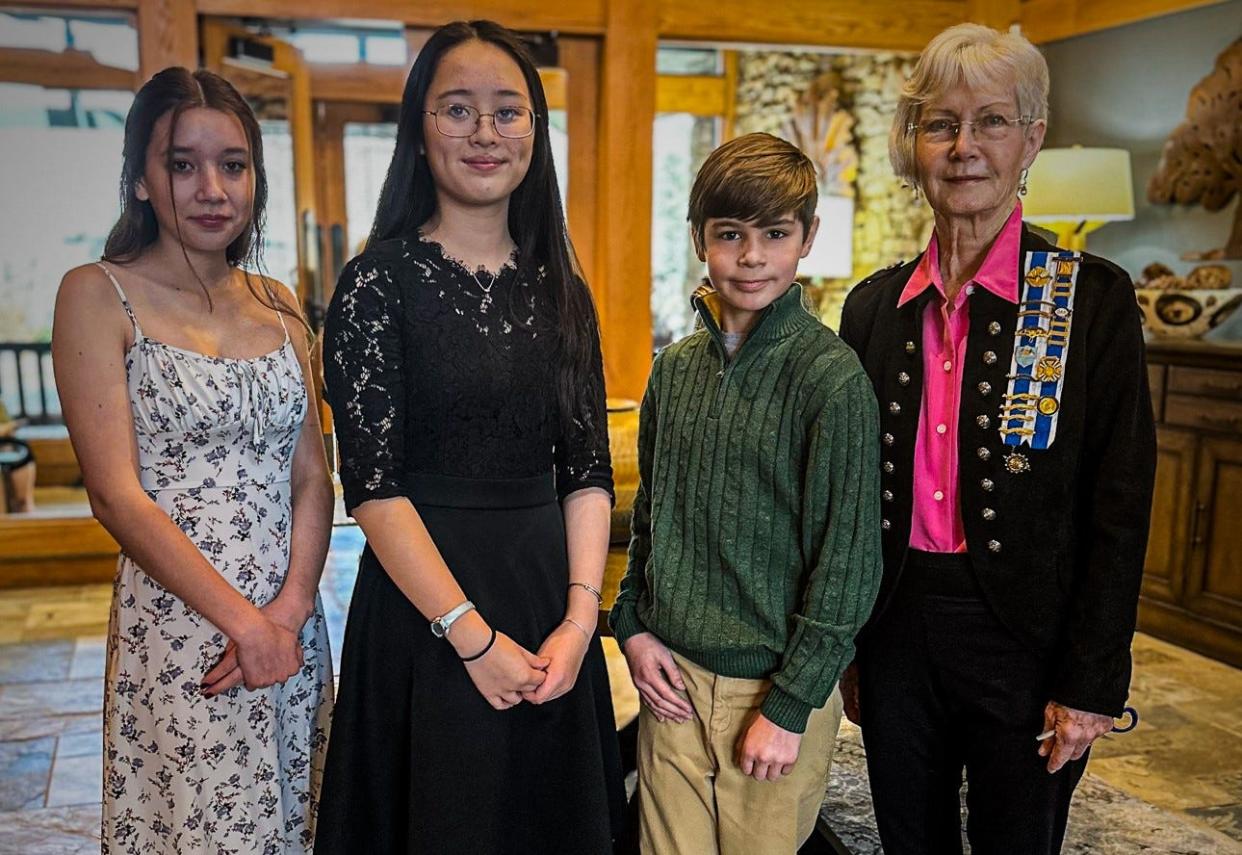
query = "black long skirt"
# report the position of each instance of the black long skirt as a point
(418, 762)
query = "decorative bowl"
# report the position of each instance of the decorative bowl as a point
(1179, 313)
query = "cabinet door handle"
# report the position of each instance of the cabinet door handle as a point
(1195, 537)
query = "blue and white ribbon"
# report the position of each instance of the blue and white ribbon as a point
(1032, 403)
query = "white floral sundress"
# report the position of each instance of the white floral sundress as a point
(240, 772)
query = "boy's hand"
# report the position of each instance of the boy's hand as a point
(657, 677)
(766, 751)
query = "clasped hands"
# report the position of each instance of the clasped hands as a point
(765, 751)
(509, 674)
(267, 651)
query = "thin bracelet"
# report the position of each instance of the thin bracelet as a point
(581, 628)
(482, 652)
(594, 592)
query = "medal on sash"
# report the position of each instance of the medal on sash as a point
(1032, 403)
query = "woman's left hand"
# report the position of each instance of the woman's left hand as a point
(565, 647)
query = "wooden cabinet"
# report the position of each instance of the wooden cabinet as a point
(1192, 584)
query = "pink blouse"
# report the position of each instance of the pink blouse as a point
(937, 519)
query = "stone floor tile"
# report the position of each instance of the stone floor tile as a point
(76, 781)
(79, 744)
(51, 831)
(25, 767)
(32, 700)
(35, 661)
(50, 725)
(89, 657)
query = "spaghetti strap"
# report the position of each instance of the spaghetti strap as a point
(279, 314)
(124, 300)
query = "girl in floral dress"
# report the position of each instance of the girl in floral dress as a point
(185, 388)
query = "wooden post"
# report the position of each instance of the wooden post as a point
(580, 59)
(167, 35)
(623, 218)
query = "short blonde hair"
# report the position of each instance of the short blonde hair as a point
(976, 56)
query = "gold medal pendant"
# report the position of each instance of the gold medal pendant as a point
(1016, 463)
(1048, 369)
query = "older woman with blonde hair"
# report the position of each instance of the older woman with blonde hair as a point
(1018, 456)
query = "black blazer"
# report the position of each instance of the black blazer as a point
(1058, 549)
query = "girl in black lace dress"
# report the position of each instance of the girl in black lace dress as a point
(463, 369)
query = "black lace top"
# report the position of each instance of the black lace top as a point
(433, 370)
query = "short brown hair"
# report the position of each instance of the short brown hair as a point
(756, 177)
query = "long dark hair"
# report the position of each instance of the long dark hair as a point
(536, 220)
(173, 91)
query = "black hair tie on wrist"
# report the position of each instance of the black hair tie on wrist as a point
(482, 652)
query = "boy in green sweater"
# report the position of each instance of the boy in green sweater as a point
(755, 555)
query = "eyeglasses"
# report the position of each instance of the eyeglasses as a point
(989, 126)
(462, 120)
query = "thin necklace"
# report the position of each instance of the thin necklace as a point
(486, 289)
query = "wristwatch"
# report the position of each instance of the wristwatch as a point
(440, 626)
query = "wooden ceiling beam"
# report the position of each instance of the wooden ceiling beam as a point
(70, 69)
(881, 24)
(383, 84)
(1051, 20)
(54, 6)
(579, 16)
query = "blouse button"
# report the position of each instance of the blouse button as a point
(983, 422)
(885, 524)
(889, 439)
(989, 357)
(987, 484)
(984, 454)
(989, 514)
(948, 365)
(985, 388)
(910, 347)
(903, 378)
(887, 495)
(894, 408)
(938, 495)
(994, 328)
(994, 546)
(889, 467)
(940, 429)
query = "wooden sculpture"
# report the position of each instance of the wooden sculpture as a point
(824, 132)
(1202, 160)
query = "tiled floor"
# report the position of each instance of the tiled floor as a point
(1185, 758)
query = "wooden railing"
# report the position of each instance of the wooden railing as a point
(27, 386)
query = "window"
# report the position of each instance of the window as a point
(681, 143)
(111, 39)
(280, 234)
(60, 173)
(368, 151)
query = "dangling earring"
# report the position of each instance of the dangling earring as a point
(1022, 182)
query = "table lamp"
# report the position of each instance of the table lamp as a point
(1073, 191)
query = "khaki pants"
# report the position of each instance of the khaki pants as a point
(693, 797)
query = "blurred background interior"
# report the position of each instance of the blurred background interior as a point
(639, 92)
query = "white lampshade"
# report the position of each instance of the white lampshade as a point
(832, 254)
(1079, 184)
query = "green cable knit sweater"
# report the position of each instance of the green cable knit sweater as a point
(756, 535)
